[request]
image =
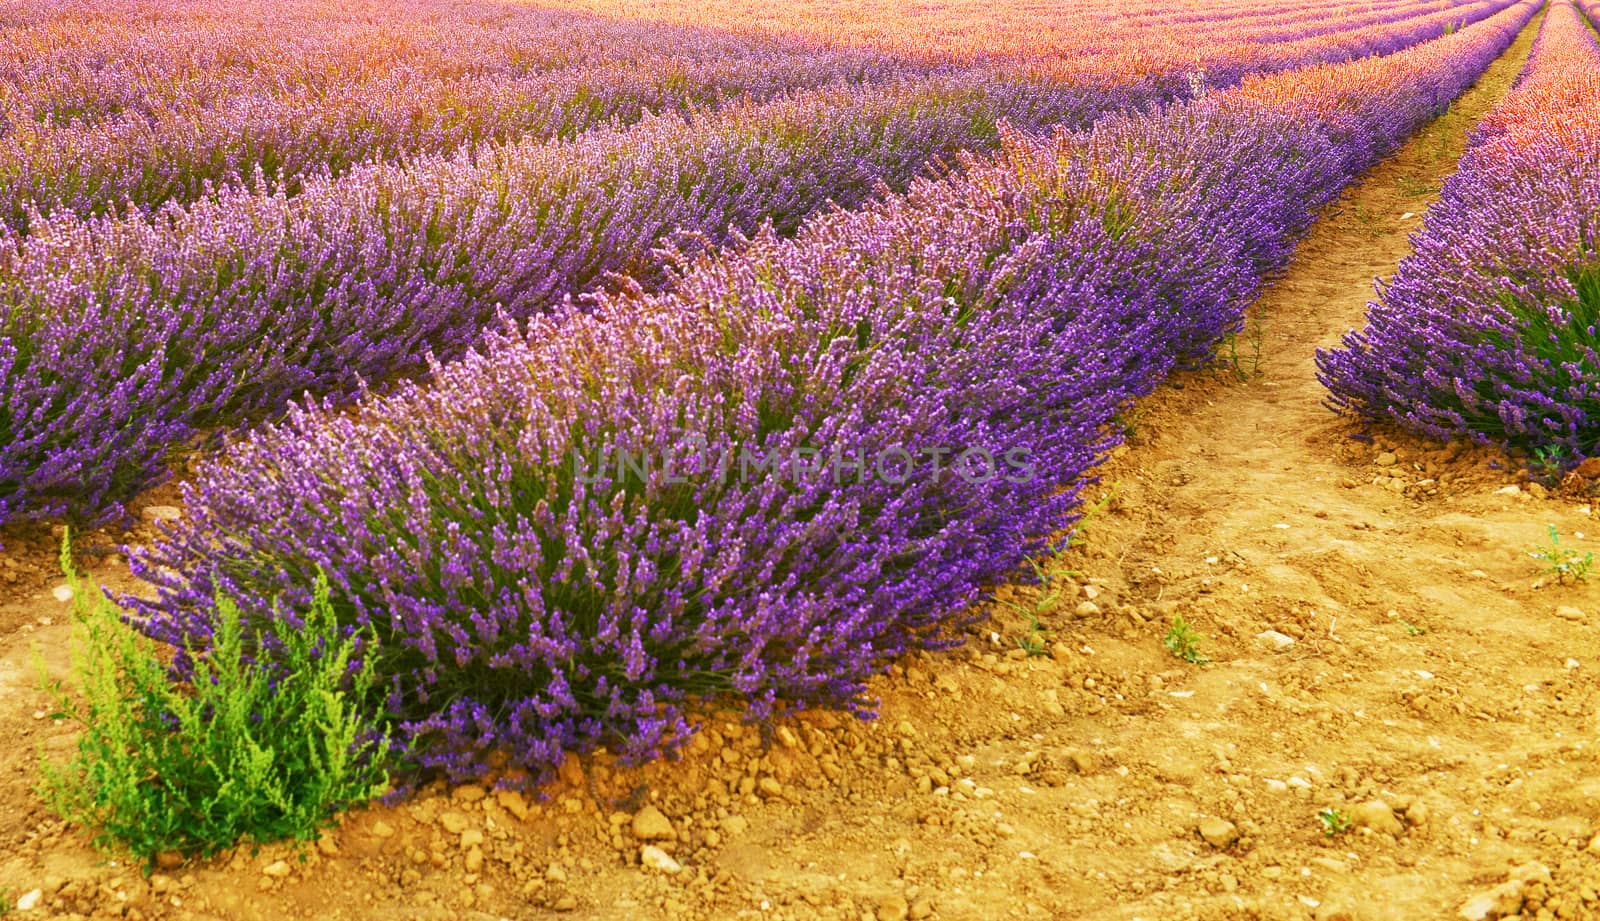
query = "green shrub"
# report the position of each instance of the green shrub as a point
(239, 751)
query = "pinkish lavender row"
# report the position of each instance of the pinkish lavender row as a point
(1488, 330)
(140, 123)
(807, 458)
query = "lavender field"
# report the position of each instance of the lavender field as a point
(501, 383)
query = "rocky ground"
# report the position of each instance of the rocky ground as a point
(1375, 644)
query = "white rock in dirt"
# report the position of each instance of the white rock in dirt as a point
(893, 907)
(29, 900)
(1500, 902)
(656, 859)
(1376, 815)
(1568, 612)
(1509, 491)
(278, 869)
(1218, 832)
(62, 592)
(650, 825)
(1275, 639)
(155, 513)
(1386, 459)
(1088, 609)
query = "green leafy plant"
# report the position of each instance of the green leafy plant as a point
(1334, 822)
(1413, 629)
(1562, 562)
(251, 747)
(1245, 362)
(1550, 461)
(1183, 641)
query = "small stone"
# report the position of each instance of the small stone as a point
(893, 907)
(1386, 459)
(556, 873)
(650, 825)
(920, 909)
(29, 900)
(473, 862)
(565, 903)
(1275, 639)
(512, 802)
(735, 825)
(1088, 609)
(454, 822)
(62, 592)
(278, 869)
(1568, 612)
(770, 787)
(1501, 901)
(1509, 491)
(171, 860)
(656, 859)
(468, 793)
(471, 838)
(1376, 815)
(328, 846)
(1537, 491)
(1083, 762)
(1417, 813)
(1218, 832)
(155, 513)
(382, 829)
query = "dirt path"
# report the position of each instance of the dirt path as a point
(1418, 681)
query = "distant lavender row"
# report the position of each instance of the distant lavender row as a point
(532, 596)
(222, 123)
(1488, 330)
(127, 337)
(90, 139)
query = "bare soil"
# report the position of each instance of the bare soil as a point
(1420, 676)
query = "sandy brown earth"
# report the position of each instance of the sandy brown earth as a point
(1379, 642)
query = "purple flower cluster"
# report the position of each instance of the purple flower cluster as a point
(1488, 330)
(531, 598)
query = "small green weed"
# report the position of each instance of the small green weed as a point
(1036, 641)
(1415, 188)
(1413, 629)
(1550, 462)
(1036, 638)
(242, 751)
(1246, 363)
(1183, 641)
(1562, 562)
(1334, 822)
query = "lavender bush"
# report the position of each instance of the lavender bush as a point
(1487, 331)
(532, 593)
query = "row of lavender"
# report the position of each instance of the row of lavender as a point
(123, 340)
(88, 138)
(809, 456)
(1488, 330)
(93, 121)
